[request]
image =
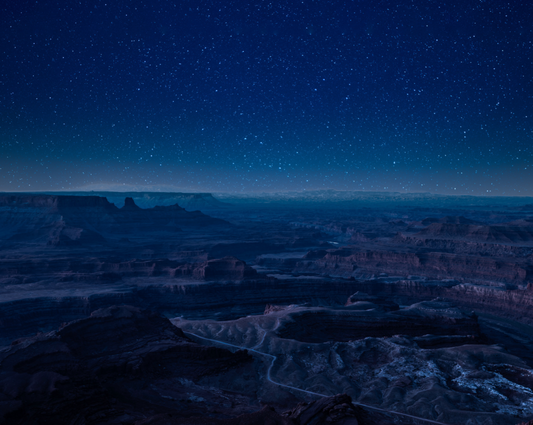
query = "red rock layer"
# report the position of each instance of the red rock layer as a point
(436, 265)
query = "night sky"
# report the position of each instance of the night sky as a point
(238, 96)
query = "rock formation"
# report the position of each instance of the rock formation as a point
(230, 268)
(336, 410)
(189, 201)
(350, 261)
(113, 367)
(317, 325)
(74, 220)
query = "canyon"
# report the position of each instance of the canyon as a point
(137, 308)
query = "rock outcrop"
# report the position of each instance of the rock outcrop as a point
(189, 201)
(266, 416)
(350, 261)
(362, 301)
(229, 268)
(316, 325)
(504, 233)
(112, 368)
(449, 220)
(112, 270)
(85, 220)
(336, 410)
(26, 315)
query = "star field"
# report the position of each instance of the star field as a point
(234, 96)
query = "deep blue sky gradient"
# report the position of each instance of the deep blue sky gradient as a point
(231, 96)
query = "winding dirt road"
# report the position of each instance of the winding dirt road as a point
(269, 378)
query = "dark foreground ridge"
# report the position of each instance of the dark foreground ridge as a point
(109, 368)
(123, 365)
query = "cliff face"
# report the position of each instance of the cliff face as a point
(112, 270)
(321, 325)
(230, 268)
(55, 203)
(436, 265)
(464, 247)
(189, 201)
(85, 220)
(226, 301)
(506, 233)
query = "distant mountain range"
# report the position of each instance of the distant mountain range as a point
(220, 201)
(188, 201)
(357, 197)
(75, 220)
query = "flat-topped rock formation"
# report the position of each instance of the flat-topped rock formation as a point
(449, 220)
(362, 301)
(189, 201)
(39, 308)
(112, 270)
(504, 233)
(55, 203)
(230, 268)
(353, 261)
(85, 220)
(463, 247)
(165, 218)
(427, 318)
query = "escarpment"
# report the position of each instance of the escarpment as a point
(114, 269)
(226, 300)
(63, 220)
(348, 262)
(319, 325)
